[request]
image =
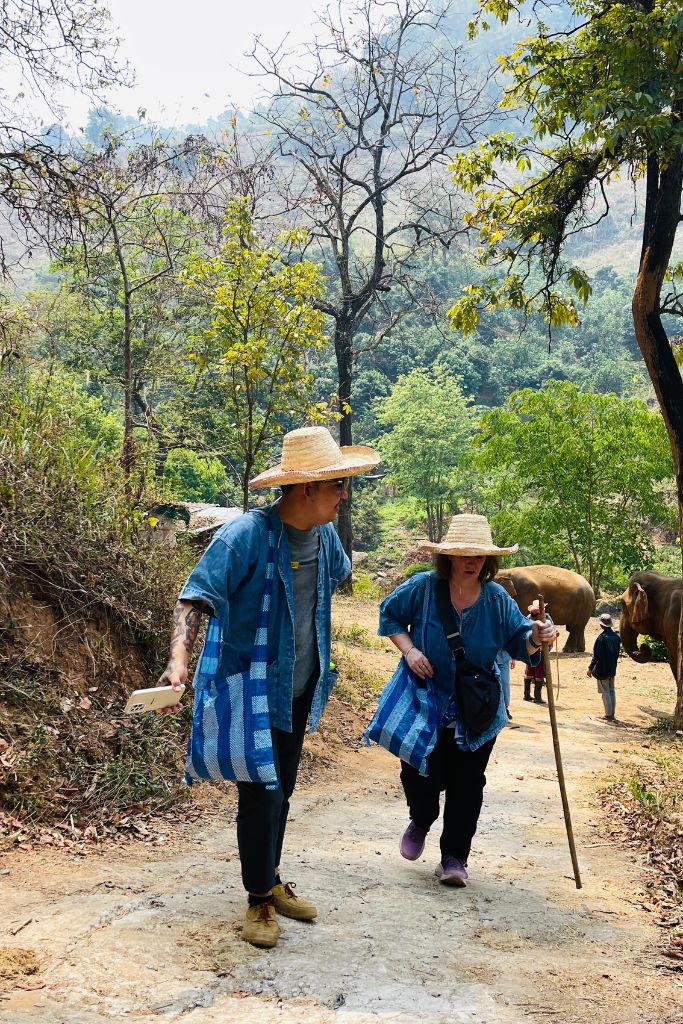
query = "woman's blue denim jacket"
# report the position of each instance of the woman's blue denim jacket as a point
(492, 623)
(230, 578)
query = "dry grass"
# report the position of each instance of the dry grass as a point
(646, 803)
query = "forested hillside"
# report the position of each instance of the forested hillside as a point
(202, 288)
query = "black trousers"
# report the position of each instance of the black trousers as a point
(262, 813)
(461, 774)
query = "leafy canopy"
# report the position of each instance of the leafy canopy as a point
(429, 427)
(600, 98)
(574, 474)
(263, 325)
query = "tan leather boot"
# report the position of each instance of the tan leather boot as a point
(289, 904)
(260, 926)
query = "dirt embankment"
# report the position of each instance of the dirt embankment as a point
(68, 761)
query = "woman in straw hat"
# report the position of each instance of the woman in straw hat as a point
(267, 580)
(422, 712)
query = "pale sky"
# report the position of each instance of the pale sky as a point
(188, 57)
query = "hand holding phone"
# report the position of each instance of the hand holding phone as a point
(155, 698)
(175, 677)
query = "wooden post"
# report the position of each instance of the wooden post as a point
(556, 747)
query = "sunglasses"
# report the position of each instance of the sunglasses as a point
(340, 485)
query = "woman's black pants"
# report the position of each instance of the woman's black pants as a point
(262, 813)
(461, 774)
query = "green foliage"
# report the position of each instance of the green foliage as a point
(598, 98)
(412, 570)
(648, 800)
(365, 588)
(263, 325)
(574, 475)
(63, 508)
(72, 545)
(430, 424)
(663, 726)
(657, 647)
(366, 519)
(190, 477)
(667, 560)
(400, 514)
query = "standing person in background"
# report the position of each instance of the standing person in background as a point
(535, 673)
(229, 583)
(603, 666)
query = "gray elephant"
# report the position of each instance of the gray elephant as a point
(569, 597)
(652, 604)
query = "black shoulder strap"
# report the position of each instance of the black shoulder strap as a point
(448, 620)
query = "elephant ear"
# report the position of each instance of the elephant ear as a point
(640, 606)
(507, 584)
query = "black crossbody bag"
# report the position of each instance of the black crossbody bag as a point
(477, 690)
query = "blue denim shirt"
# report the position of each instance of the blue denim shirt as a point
(230, 578)
(492, 623)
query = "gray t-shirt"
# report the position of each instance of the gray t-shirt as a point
(303, 549)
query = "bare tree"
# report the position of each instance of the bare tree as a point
(367, 126)
(44, 48)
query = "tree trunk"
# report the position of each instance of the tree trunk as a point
(662, 211)
(161, 455)
(248, 466)
(128, 450)
(343, 347)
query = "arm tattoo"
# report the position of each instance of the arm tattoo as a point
(185, 625)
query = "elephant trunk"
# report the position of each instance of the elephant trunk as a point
(629, 641)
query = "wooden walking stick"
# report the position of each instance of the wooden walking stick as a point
(556, 748)
(557, 662)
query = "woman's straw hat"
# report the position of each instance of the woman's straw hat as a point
(311, 453)
(469, 535)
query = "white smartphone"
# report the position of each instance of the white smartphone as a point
(153, 699)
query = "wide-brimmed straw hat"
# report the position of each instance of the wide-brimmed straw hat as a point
(469, 535)
(311, 453)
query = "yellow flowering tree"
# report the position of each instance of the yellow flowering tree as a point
(263, 326)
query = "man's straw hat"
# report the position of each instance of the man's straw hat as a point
(311, 453)
(469, 535)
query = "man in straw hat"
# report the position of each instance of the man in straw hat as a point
(603, 665)
(228, 583)
(443, 708)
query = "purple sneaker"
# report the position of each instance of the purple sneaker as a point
(413, 841)
(452, 871)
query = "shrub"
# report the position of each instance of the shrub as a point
(192, 477)
(365, 588)
(417, 567)
(75, 566)
(366, 519)
(657, 648)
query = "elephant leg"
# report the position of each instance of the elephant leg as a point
(576, 641)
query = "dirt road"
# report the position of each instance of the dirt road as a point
(151, 933)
